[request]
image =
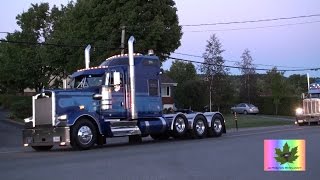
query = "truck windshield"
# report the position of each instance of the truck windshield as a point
(87, 81)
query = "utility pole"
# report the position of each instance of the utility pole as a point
(123, 36)
(210, 95)
(210, 98)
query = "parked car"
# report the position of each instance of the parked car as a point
(245, 108)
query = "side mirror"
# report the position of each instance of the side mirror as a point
(116, 78)
(105, 97)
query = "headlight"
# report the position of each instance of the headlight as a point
(61, 120)
(26, 120)
(299, 111)
(62, 117)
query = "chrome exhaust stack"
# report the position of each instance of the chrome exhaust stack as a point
(134, 114)
(87, 56)
(308, 80)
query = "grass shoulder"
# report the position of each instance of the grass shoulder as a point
(247, 121)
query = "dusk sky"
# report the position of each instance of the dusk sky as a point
(293, 43)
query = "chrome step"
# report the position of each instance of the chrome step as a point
(124, 128)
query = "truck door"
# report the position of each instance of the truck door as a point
(118, 110)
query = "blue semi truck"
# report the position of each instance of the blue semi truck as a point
(121, 97)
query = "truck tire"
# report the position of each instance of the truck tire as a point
(160, 137)
(200, 127)
(42, 148)
(83, 135)
(217, 126)
(180, 126)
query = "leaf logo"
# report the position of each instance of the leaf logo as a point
(286, 156)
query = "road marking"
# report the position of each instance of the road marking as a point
(265, 132)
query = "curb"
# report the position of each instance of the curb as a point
(259, 128)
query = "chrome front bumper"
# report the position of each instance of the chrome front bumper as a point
(46, 136)
(308, 118)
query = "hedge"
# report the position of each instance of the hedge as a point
(286, 107)
(19, 106)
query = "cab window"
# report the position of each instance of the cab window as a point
(87, 81)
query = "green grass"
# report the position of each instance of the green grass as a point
(247, 121)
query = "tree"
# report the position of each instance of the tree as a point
(182, 72)
(297, 84)
(277, 85)
(248, 87)
(14, 65)
(99, 22)
(68, 29)
(216, 73)
(189, 89)
(191, 94)
(28, 64)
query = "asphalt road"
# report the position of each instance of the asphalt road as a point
(236, 155)
(10, 134)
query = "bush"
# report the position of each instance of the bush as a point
(19, 106)
(286, 107)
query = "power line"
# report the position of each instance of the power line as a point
(37, 43)
(236, 29)
(56, 45)
(252, 21)
(237, 22)
(239, 67)
(249, 28)
(192, 61)
(197, 56)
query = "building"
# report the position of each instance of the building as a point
(167, 87)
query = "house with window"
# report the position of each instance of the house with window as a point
(167, 87)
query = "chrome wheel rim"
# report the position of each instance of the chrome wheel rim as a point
(217, 125)
(85, 135)
(200, 127)
(180, 125)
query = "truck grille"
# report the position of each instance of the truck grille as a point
(43, 111)
(311, 106)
